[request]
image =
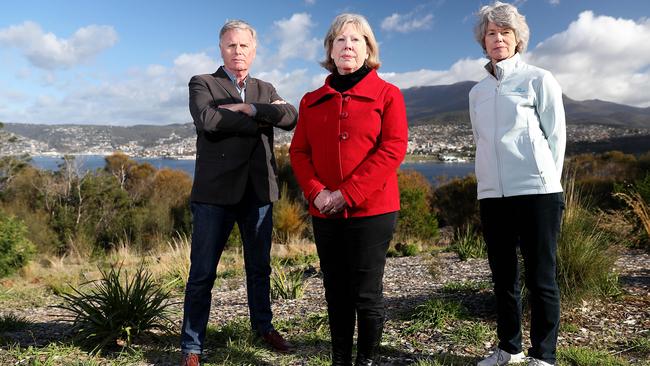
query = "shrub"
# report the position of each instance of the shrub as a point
(119, 308)
(12, 322)
(640, 208)
(469, 244)
(598, 190)
(286, 284)
(643, 187)
(15, 248)
(285, 173)
(584, 254)
(288, 217)
(403, 250)
(455, 203)
(416, 220)
(598, 175)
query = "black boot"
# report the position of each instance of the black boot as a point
(342, 341)
(370, 331)
(341, 356)
(341, 350)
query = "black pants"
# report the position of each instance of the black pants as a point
(352, 256)
(531, 222)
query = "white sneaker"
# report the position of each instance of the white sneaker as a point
(536, 362)
(500, 357)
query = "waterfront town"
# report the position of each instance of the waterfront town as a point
(444, 142)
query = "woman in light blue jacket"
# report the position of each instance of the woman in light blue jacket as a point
(519, 130)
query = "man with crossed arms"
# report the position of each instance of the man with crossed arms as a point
(235, 181)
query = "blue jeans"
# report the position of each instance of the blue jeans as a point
(531, 222)
(212, 225)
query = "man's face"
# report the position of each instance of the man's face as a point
(237, 50)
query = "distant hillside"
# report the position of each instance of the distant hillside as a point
(449, 103)
(61, 137)
(439, 102)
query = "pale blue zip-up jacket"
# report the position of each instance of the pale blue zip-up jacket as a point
(519, 129)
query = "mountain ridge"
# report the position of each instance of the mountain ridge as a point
(453, 100)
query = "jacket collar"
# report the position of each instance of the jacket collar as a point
(226, 82)
(369, 88)
(505, 67)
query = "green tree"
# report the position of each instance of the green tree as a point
(15, 248)
(416, 220)
(108, 211)
(10, 167)
(455, 203)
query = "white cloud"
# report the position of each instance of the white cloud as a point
(595, 57)
(462, 70)
(291, 85)
(294, 35)
(600, 57)
(154, 94)
(310, 2)
(47, 51)
(186, 65)
(554, 2)
(405, 23)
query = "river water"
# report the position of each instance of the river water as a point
(432, 170)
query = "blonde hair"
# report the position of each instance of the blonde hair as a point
(505, 16)
(362, 27)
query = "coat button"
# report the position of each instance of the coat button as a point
(344, 115)
(344, 136)
(346, 98)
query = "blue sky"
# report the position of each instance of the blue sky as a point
(128, 62)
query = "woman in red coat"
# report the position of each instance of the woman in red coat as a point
(350, 140)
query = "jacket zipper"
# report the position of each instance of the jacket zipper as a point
(496, 135)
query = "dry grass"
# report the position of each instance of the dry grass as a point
(295, 247)
(57, 274)
(586, 255)
(638, 206)
(173, 262)
(124, 255)
(621, 227)
(289, 218)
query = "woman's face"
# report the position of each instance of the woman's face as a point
(500, 43)
(349, 50)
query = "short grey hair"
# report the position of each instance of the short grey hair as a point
(506, 16)
(237, 24)
(363, 27)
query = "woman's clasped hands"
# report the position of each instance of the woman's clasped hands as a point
(329, 203)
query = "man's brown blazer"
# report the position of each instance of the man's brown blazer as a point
(234, 150)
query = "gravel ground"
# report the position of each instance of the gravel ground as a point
(409, 281)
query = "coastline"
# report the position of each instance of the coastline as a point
(410, 159)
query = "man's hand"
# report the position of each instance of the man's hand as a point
(279, 101)
(336, 203)
(244, 108)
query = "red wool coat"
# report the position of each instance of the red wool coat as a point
(354, 142)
